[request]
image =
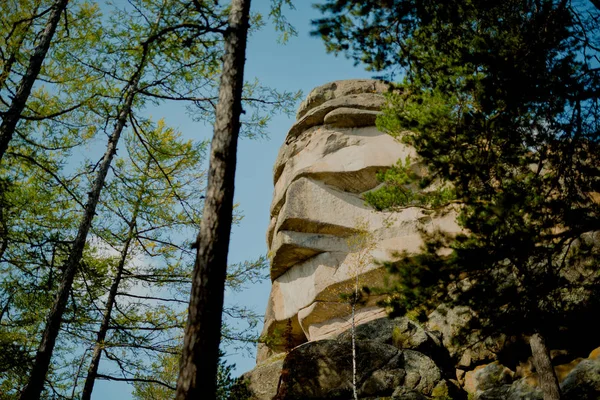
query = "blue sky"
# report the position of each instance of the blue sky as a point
(301, 64)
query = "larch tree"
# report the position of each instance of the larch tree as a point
(38, 200)
(12, 115)
(154, 193)
(99, 75)
(43, 136)
(149, 41)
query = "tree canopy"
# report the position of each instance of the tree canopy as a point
(500, 101)
(95, 255)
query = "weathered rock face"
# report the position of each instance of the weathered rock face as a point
(330, 156)
(326, 370)
(395, 359)
(322, 236)
(399, 359)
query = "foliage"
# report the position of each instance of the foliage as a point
(240, 390)
(500, 101)
(166, 369)
(44, 179)
(285, 29)
(153, 196)
(25, 307)
(400, 189)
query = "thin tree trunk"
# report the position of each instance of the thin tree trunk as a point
(13, 114)
(77, 374)
(198, 368)
(3, 226)
(6, 306)
(112, 295)
(7, 68)
(354, 391)
(543, 366)
(110, 302)
(42, 360)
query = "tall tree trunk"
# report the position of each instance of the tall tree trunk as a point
(12, 58)
(13, 114)
(42, 360)
(198, 368)
(110, 302)
(3, 217)
(543, 366)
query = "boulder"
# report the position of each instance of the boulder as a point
(263, 380)
(467, 348)
(338, 89)
(400, 332)
(323, 370)
(403, 393)
(324, 319)
(290, 248)
(518, 390)
(347, 159)
(485, 377)
(583, 382)
(316, 116)
(331, 156)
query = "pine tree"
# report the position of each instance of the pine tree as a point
(202, 335)
(500, 100)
